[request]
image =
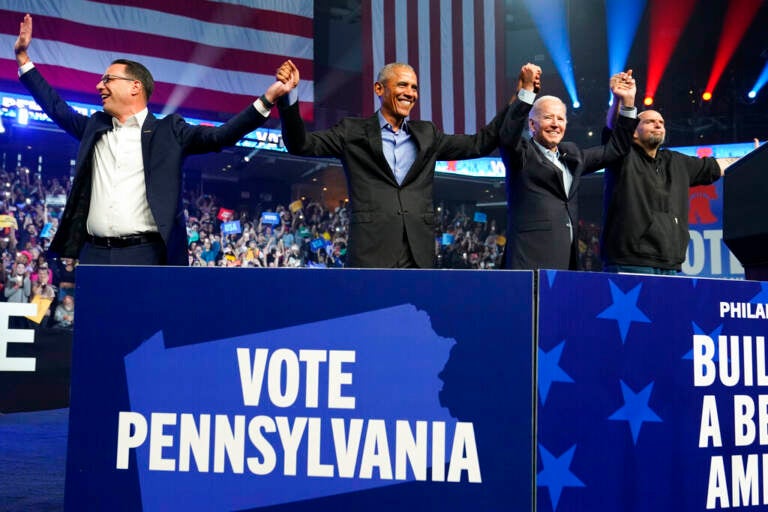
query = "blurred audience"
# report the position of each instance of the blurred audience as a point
(304, 234)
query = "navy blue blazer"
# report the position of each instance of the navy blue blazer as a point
(539, 209)
(165, 143)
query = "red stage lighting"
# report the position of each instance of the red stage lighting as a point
(737, 19)
(706, 96)
(648, 101)
(667, 21)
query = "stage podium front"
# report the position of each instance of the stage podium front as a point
(413, 390)
(745, 217)
(301, 390)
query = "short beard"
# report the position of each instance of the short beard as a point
(655, 141)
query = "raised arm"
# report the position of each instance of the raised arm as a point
(624, 91)
(295, 136)
(22, 42)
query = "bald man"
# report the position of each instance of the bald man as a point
(645, 205)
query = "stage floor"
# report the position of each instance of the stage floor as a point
(33, 449)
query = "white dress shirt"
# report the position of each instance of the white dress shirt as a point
(119, 204)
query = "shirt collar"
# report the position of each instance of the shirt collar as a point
(136, 119)
(383, 123)
(547, 152)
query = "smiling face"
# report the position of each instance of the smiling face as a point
(120, 98)
(398, 90)
(547, 122)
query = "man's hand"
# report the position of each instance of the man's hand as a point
(624, 88)
(22, 42)
(287, 79)
(530, 78)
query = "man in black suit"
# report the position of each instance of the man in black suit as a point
(543, 172)
(125, 204)
(389, 161)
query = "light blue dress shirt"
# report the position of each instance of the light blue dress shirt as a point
(399, 147)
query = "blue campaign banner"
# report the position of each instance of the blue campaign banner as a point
(401, 390)
(231, 228)
(480, 217)
(650, 393)
(270, 218)
(447, 239)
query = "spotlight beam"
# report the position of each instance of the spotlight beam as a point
(550, 19)
(668, 19)
(738, 18)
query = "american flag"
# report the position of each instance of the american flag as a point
(207, 55)
(456, 48)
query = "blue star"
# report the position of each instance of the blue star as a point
(551, 275)
(624, 309)
(635, 409)
(762, 296)
(556, 473)
(714, 334)
(550, 371)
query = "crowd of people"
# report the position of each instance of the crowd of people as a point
(315, 236)
(29, 212)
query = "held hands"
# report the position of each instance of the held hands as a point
(287, 79)
(22, 42)
(530, 78)
(624, 88)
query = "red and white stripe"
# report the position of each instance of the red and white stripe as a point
(456, 48)
(211, 55)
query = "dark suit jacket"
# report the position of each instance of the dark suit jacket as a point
(164, 142)
(383, 211)
(539, 209)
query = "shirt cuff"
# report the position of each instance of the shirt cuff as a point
(26, 67)
(630, 112)
(526, 96)
(261, 108)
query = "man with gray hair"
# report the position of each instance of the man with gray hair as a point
(543, 172)
(389, 161)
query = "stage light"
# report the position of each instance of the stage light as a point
(621, 21)
(576, 104)
(760, 82)
(648, 101)
(706, 96)
(249, 156)
(667, 21)
(751, 94)
(737, 19)
(550, 18)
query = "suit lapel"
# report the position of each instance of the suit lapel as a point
(555, 173)
(373, 136)
(147, 129)
(420, 139)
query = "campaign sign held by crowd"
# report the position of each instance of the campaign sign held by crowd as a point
(400, 390)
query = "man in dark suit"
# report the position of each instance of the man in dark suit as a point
(543, 172)
(389, 161)
(125, 204)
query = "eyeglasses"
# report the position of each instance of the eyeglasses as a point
(108, 78)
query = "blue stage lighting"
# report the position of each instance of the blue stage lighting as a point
(622, 19)
(761, 81)
(550, 18)
(751, 94)
(576, 104)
